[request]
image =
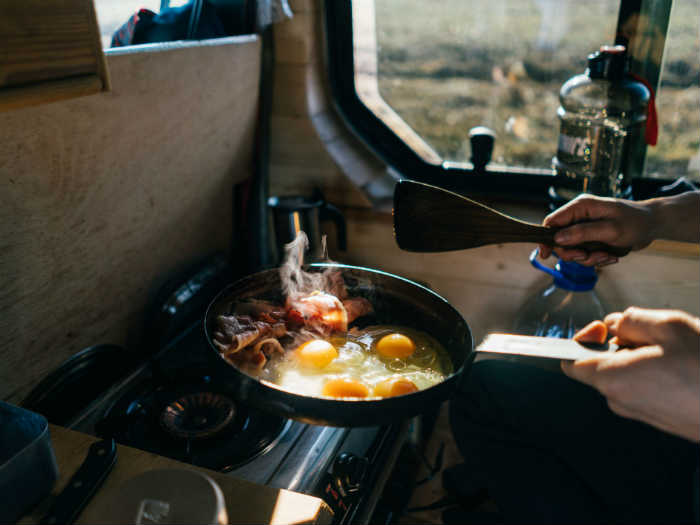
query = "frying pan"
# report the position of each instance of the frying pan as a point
(396, 301)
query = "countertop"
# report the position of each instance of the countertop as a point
(246, 502)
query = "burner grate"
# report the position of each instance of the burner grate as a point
(191, 419)
(198, 415)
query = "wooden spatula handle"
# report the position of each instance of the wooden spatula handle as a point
(431, 219)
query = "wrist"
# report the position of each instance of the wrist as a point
(676, 218)
(657, 210)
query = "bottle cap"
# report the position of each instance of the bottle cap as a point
(610, 63)
(568, 275)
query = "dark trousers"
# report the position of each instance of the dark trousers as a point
(549, 450)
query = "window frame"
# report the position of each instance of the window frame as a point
(503, 182)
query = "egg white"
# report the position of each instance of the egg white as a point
(357, 360)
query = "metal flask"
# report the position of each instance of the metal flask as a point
(292, 214)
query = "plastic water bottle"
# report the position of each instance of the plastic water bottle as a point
(565, 305)
(603, 116)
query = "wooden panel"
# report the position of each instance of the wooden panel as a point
(299, 92)
(300, 161)
(101, 198)
(245, 502)
(293, 44)
(51, 50)
(310, 147)
(304, 6)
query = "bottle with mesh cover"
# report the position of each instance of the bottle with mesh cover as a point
(603, 116)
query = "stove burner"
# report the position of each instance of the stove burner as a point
(197, 415)
(191, 417)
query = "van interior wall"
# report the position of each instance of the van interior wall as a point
(311, 148)
(103, 197)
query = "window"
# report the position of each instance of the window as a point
(678, 101)
(413, 77)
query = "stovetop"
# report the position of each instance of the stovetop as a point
(177, 408)
(174, 406)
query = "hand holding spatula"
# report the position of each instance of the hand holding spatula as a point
(431, 219)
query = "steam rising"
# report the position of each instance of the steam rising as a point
(295, 281)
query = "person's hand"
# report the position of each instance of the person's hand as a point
(656, 379)
(589, 218)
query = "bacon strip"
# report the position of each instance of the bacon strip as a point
(357, 307)
(249, 336)
(322, 312)
(237, 332)
(259, 309)
(268, 346)
(248, 360)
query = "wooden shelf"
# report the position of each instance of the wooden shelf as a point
(51, 51)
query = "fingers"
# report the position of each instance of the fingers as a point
(584, 258)
(641, 326)
(583, 371)
(605, 230)
(593, 332)
(582, 208)
(603, 371)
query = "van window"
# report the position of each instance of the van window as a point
(678, 101)
(446, 67)
(428, 72)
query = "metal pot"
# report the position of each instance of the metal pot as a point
(396, 301)
(28, 468)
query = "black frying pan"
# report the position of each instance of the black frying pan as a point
(396, 301)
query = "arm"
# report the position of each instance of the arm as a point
(677, 217)
(657, 379)
(622, 223)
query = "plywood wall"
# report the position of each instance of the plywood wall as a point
(310, 147)
(102, 197)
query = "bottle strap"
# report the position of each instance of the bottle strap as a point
(651, 133)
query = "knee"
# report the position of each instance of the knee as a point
(472, 398)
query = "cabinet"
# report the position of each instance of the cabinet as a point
(49, 50)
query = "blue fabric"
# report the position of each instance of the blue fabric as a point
(170, 24)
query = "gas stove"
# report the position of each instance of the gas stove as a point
(174, 405)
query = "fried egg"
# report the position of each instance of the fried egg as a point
(343, 387)
(377, 361)
(395, 345)
(316, 353)
(394, 386)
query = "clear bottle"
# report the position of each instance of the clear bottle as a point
(602, 116)
(565, 305)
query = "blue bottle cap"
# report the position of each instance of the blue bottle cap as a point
(568, 275)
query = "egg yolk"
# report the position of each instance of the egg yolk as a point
(395, 345)
(394, 386)
(341, 387)
(316, 353)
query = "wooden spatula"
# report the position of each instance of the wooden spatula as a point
(430, 219)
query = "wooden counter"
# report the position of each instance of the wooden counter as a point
(246, 502)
